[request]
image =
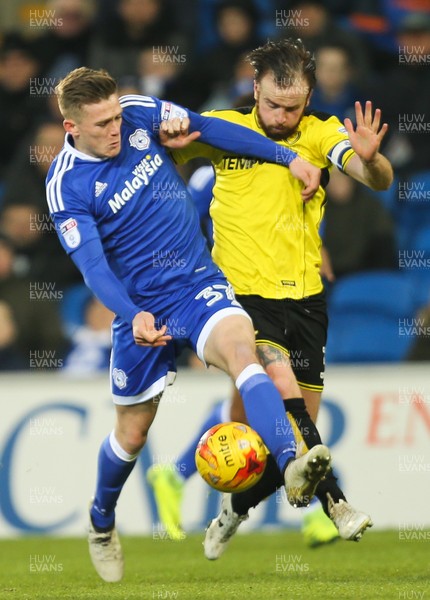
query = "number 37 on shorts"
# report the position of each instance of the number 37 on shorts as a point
(215, 293)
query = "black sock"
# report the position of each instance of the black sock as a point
(309, 432)
(270, 481)
(273, 479)
(328, 486)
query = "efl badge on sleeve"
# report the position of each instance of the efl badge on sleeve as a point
(171, 111)
(70, 232)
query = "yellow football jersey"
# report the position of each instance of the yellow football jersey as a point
(266, 238)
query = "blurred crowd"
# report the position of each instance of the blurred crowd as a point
(193, 52)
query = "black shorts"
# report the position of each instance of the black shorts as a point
(298, 327)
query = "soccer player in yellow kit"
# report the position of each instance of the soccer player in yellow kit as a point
(267, 243)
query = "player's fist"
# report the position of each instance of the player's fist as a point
(174, 133)
(308, 174)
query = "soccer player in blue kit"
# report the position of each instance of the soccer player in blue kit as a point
(104, 195)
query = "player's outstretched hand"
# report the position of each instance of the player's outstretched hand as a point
(145, 332)
(174, 133)
(308, 174)
(367, 136)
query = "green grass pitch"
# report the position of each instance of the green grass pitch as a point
(263, 566)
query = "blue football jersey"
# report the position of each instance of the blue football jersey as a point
(128, 221)
(135, 203)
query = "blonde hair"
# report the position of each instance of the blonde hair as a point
(83, 86)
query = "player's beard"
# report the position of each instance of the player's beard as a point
(276, 133)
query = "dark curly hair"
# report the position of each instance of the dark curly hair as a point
(287, 59)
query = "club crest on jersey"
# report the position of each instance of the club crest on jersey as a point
(119, 378)
(70, 232)
(139, 139)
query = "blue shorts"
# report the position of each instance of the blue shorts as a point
(139, 373)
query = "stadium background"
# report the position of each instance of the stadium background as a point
(55, 397)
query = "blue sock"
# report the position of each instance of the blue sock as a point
(186, 463)
(112, 473)
(266, 413)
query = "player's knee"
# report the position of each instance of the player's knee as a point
(240, 348)
(231, 345)
(233, 355)
(133, 440)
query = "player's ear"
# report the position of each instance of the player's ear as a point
(70, 126)
(308, 99)
(256, 89)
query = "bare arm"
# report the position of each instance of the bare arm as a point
(368, 165)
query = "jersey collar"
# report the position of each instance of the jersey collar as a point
(257, 120)
(68, 145)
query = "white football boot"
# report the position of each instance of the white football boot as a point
(106, 554)
(221, 529)
(351, 523)
(303, 474)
